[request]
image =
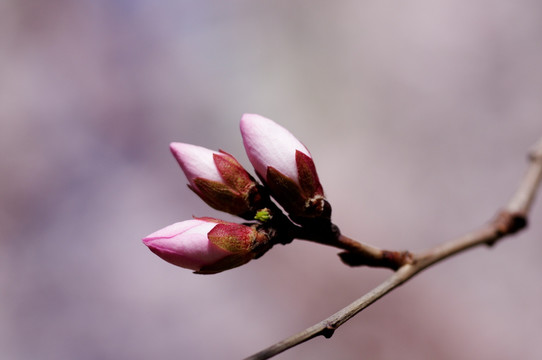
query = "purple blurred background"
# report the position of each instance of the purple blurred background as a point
(418, 114)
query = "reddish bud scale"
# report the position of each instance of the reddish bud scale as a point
(234, 238)
(308, 178)
(232, 172)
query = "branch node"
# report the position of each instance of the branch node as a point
(397, 258)
(328, 331)
(507, 222)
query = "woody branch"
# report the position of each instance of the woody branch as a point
(512, 218)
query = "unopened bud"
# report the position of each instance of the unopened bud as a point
(285, 165)
(207, 245)
(218, 179)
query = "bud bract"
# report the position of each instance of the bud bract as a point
(206, 245)
(285, 165)
(218, 179)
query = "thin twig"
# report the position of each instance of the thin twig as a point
(359, 254)
(356, 253)
(511, 219)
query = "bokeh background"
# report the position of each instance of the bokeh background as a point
(418, 114)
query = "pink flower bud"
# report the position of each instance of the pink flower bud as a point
(285, 165)
(218, 179)
(206, 245)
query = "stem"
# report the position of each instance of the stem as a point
(359, 254)
(356, 253)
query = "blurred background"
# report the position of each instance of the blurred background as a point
(418, 114)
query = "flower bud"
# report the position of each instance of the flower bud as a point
(218, 179)
(207, 245)
(285, 165)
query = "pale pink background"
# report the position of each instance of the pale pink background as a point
(418, 114)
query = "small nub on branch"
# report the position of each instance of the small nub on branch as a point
(507, 222)
(328, 331)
